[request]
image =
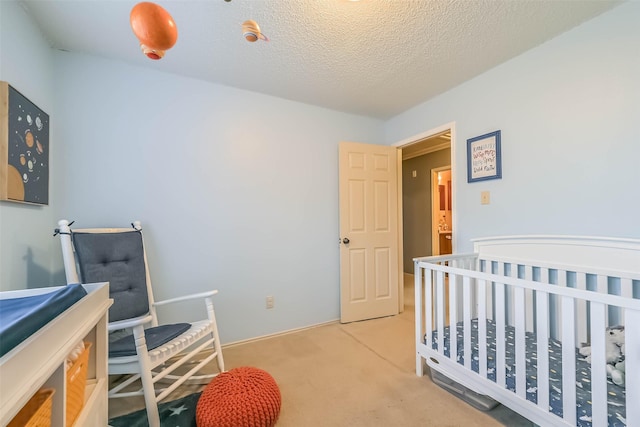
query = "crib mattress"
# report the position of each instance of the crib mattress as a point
(616, 394)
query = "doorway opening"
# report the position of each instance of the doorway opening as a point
(441, 213)
(423, 225)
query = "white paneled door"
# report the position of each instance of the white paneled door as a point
(368, 231)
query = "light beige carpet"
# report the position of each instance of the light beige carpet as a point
(357, 374)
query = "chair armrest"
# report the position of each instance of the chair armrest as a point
(200, 295)
(129, 323)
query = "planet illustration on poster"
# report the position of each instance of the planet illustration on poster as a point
(28, 150)
(28, 137)
(15, 190)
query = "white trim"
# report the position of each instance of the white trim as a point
(277, 334)
(427, 150)
(400, 236)
(427, 134)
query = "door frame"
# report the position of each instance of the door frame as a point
(451, 127)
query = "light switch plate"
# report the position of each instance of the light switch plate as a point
(485, 198)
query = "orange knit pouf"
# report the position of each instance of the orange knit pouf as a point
(241, 397)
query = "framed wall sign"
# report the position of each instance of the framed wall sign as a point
(484, 160)
(24, 149)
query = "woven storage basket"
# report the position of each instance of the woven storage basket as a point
(37, 411)
(76, 383)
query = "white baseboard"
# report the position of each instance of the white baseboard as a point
(277, 334)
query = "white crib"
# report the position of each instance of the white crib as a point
(516, 299)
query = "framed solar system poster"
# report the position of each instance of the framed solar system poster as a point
(24, 149)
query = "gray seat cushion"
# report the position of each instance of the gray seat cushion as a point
(155, 337)
(117, 258)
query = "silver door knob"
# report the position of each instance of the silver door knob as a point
(345, 240)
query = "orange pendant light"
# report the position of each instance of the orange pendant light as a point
(154, 27)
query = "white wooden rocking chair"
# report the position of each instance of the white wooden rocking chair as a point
(152, 352)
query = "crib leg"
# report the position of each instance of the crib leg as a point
(419, 365)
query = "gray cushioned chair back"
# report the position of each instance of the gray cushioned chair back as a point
(117, 258)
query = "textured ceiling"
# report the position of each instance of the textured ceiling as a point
(375, 58)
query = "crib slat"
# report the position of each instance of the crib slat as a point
(512, 272)
(453, 316)
(554, 315)
(463, 264)
(487, 267)
(482, 329)
(598, 365)
(417, 286)
(528, 275)
(602, 286)
(581, 311)
(440, 310)
(500, 336)
(568, 361)
(626, 286)
(561, 281)
(626, 290)
(521, 367)
(428, 304)
(466, 297)
(544, 275)
(502, 271)
(481, 266)
(542, 335)
(632, 362)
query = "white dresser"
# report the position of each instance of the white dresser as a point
(39, 361)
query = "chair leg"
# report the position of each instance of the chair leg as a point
(218, 348)
(216, 336)
(148, 387)
(150, 400)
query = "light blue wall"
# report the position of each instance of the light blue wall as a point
(569, 112)
(238, 191)
(26, 241)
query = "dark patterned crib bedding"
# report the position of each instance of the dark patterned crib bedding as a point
(615, 394)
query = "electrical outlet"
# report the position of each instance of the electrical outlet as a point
(269, 302)
(485, 199)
